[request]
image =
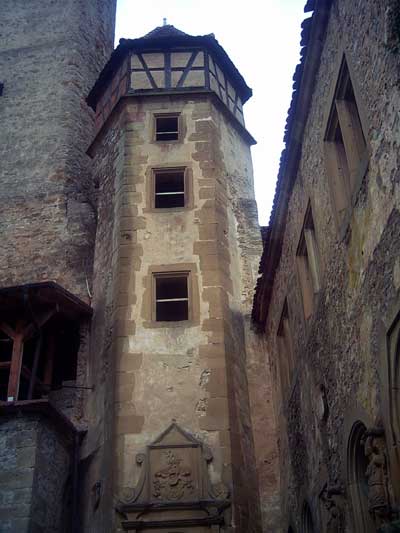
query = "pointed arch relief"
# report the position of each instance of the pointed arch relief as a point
(357, 481)
(368, 480)
(390, 388)
(174, 489)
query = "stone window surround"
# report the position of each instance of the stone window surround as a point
(169, 114)
(165, 114)
(150, 187)
(349, 190)
(308, 263)
(159, 282)
(149, 296)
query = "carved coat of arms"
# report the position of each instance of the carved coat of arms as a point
(173, 482)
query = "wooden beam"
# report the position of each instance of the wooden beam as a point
(16, 363)
(48, 369)
(38, 349)
(40, 321)
(7, 330)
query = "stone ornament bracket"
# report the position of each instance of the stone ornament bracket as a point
(174, 489)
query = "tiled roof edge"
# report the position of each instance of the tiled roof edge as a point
(312, 38)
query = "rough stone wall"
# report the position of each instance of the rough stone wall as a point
(110, 271)
(195, 375)
(338, 347)
(50, 55)
(251, 373)
(34, 470)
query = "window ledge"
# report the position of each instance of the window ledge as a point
(170, 324)
(168, 209)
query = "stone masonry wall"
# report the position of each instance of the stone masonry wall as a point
(51, 53)
(110, 271)
(251, 373)
(35, 465)
(338, 348)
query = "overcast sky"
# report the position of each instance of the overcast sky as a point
(262, 38)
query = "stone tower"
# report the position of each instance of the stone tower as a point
(51, 53)
(177, 249)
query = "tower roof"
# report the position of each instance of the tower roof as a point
(164, 31)
(164, 38)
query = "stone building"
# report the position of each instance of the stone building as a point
(328, 300)
(133, 394)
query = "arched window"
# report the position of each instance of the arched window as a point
(357, 464)
(307, 524)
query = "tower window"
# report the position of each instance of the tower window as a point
(167, 127)
(171, 297)
(169, 188)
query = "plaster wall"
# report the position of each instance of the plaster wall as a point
(339, 346)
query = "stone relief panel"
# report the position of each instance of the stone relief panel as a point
(171, 477)
(390, 379)
(332, 509)
(380, 498)
(174, 489)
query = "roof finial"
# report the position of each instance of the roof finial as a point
(164, 20)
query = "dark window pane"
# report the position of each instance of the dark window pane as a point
(169, 189)
(169, 201)
(167, 136)
(170, 181)
(166, 128)
(6, 346)
(168, 288)
(4, 375)
(172, 311)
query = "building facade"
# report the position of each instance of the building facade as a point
(327, 302)
(132, 387)
(51, 53)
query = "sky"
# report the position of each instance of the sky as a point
(262, 37)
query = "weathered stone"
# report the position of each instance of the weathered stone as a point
(331, 349)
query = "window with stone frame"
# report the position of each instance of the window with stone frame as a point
(346, 153)
(285, 351)
(308, 264)
(169, 188)
(166, 127)
(171, 296)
